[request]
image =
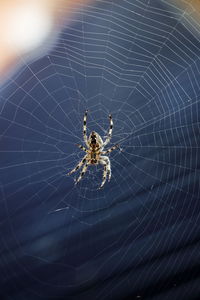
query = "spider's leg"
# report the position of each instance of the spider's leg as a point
(78, 166)
(110, 150)
(81, 147)
(108, 138)
(104, 176)
(85, 129)
(105, 161)
(82, 173)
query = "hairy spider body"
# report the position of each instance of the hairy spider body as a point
(94, 151)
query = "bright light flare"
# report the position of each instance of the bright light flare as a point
(29, 25)
(28, 28)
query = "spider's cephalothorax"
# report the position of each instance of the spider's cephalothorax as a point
(94, 151)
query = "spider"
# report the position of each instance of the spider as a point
(94, 152)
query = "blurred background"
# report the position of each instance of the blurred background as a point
(138, 237)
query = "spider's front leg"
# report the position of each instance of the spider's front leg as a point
(111, 149)
(78, 166)
(109, 135)
(105, 161)
(81, 147)
(85, 128)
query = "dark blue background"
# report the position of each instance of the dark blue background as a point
(138, 237)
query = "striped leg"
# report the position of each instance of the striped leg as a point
(109, 132)
(85, 128)
(78, 166)
(110, 150)
(81, 147)
(107, 170)
(82, 173)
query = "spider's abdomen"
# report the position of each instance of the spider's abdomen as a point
(95, 142)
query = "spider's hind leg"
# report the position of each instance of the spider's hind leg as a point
(78, 166)
(82, 173)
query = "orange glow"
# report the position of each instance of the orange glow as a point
(192, 7)
(195, 4)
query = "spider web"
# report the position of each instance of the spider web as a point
(139, 61)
